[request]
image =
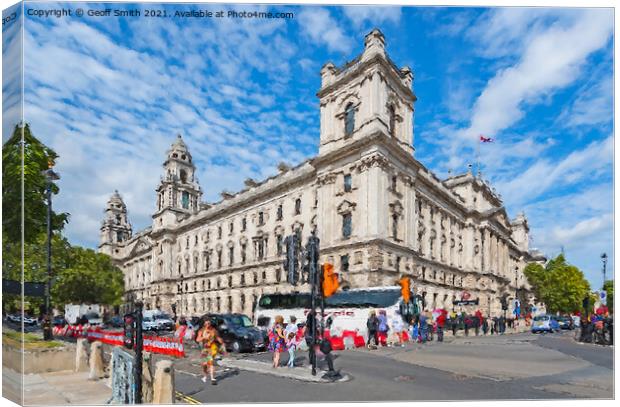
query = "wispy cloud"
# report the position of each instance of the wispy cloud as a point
(318, 24)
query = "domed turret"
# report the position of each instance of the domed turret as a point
(115, 228)
(178, 192)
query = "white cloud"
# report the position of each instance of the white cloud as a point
(550, 61)
(593, 105)
(318, 24)
(545, 174)
(111, 109)
(374, 15)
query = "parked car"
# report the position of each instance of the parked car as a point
(164, 322)
(545, 323)
(17, 318)
(149, 323)
(59, 320)
(93, 318)
(565, 322)
(115, 322)
(237, 332)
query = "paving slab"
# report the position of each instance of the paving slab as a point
(63, 388)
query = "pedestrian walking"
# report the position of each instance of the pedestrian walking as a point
(211, 347)
(397, 329)
(372, 325)
(485, 326)
(277, 340)
(441, 321)
(423, 327)
(291, 327)
(383, 327)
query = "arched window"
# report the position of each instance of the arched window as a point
(349, 119)
(185, 200)
(392, 125)
(183, 175)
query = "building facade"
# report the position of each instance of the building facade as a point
(379, 214)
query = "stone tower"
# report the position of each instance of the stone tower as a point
(369, 96)
(178, 193)
(115, 228)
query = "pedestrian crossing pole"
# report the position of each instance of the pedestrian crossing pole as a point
(312, 250)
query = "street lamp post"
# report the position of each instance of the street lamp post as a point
(50, 176)
(604, 258)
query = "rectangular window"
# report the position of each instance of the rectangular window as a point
(219, 232)
(347, 183)
(231, 227)
(346, 225)
(394, 183)
(219, 259)
(395, 226)
(261, 218)
(279, 244)
(344, 263)
(243, 253)
(231, 254)
(398, 263)
(279, 215)
(261, 249)
(244, 224)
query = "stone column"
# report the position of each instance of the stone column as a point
(163, 383)
(96, 361)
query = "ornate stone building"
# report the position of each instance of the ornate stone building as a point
(378, 211)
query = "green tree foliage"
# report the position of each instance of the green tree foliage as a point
(561, 286)
(91, 278)
(78, 274)
(609, 287)
(36, 158)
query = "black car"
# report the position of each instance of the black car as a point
(115, 322)
(237, 332)
(565, 322)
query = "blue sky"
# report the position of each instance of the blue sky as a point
(110, 94)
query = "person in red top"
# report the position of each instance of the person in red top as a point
(441, 322)
(479, 320)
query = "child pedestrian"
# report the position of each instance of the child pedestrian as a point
(291, 345)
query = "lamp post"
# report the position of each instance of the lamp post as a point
(604, 258)
(50, 176)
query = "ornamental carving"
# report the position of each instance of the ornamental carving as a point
(396, 208)
(375, 160)
(346, 207)
(326, 179)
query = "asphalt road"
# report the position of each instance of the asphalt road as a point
(450, 371)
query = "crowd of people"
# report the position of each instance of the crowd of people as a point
(427, 325)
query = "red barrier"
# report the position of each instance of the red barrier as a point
(337, 342)
(359, 341)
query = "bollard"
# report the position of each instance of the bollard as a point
(96, 361)
(81, 355)
(163, 384)
(147, 378)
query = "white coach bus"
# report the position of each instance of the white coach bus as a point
(349, 309)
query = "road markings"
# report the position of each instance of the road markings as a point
(185, 398)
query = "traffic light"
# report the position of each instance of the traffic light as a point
(405, 289)
(129, 330)
(504, 303)
(330, 280)
(291, 262)
(312, 260)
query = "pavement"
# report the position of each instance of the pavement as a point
(55, 389)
